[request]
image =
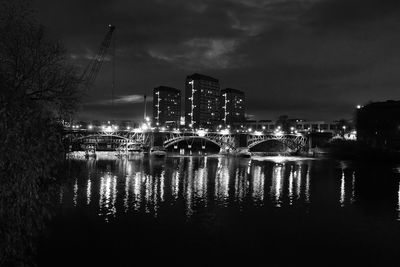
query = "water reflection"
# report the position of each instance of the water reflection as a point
(151, 185)
(398, 203)
(347, 187)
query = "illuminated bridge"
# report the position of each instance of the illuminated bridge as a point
(137, 139)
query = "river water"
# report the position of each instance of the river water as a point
(218, 210)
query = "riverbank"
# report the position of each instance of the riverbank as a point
(353, 150)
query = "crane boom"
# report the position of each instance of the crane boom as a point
(91, 71)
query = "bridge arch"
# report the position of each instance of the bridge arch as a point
(292, 142)
(280, 141)
(173, 141)
(93, 136)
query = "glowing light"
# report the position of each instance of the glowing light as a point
(144, 127)
(225, 131)
(358, 106)
(108, 129)
(201, 133)
(90, 127)
(163, 129)
(342, 190)
(258, 133)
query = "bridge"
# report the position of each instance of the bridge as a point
(142, 140)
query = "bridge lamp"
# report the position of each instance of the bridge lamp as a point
(163, 129)
(250, 130)
(144, 127)
(201, 133)
(108, 129)
(225, 131)
(128, 127)
(90, 127)
(263, 127)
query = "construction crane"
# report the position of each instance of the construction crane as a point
(91, 71)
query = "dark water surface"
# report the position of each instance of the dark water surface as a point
(219, 211)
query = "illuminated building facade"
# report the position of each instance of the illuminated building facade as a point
(166, 106)
(232, 106)
(202, 94)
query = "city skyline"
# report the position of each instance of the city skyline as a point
(312, 59)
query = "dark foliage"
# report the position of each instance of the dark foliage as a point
(37, 88)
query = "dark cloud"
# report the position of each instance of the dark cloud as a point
(305, 58)
(345, 13)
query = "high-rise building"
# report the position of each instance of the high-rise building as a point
(202, 95)
(232, 106)
(166, 106)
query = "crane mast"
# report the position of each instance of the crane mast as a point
(91, 71)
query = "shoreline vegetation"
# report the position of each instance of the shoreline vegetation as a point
(38, 88)
(354, 150)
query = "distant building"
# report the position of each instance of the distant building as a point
(166, 106)
(378, 124)
(296, 125)
(232, 106)
(202, 95)
(316, 126)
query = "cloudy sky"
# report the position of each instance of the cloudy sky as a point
(312, 59)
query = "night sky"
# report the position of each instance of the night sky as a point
(313, 59)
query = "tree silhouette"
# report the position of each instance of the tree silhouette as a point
(37, 88)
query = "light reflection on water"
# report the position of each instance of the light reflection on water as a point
(148, 185)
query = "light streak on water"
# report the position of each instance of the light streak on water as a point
(298, 185)
(353, 187)
(291, 186)
(75, 199)
(342, 190)
(258, 184)
(88, 191)
(222, 180)
(108, 195)
(189, 189)
(307, 191)
(276, 186)
(398, 203)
